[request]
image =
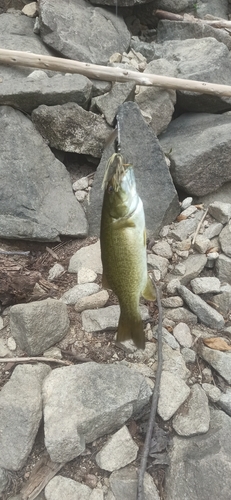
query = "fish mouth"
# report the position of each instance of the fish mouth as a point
(115, 171)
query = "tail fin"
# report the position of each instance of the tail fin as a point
(131, 328)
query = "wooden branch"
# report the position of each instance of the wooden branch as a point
(33, 359)
(18, 58)
(215, 23)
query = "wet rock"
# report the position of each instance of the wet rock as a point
(43, 207)
(70, 128)
(77, 292)
(220, 361)
(153, 179)
(106, 318)
(123, 484)
(204, 312)
(194, 416)
(119, 451)
(104, 33)
(173, 392)
(20, 414)
(200, 467)
(88, 257)
(38, 325)
(182, 334)
(113, 394)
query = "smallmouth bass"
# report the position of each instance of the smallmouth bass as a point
(123, 248)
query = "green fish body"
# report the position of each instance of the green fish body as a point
(123, 248)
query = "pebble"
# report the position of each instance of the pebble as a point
(220, 211)
(213, 230)
(80, 184)
(212, 392)
(220, 361)
(225, 239)
(205, 285)
(55, 271)
(211, 259)
(88, 257)
(172, 302)
(4, 351)
(182, 334)
(94, 301)
(159, 263)
(86, 276)
(30, 10)
(173, 392)
(179, 269)
(172, 286)
(189, 355)
(53, 352)
(77, 292)
(186, 203)
(168, 338)
(80, 195)
(202, 244)
(11, 344)
(187, 212)
(119, 451)
(163, 249)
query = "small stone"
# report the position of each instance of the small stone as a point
(80, 195)
(212, 392)
(11, 344)
(1, 323)
(168, 338)
(225, 401)
(88, 257)
(207, 315)
(79, 291)
(202, 244)
(207, 375)
(172, 302)
(189, 355)
(220, 211)
(225, 239)
(119, 451)
(179, 269)
(172, 286)
(115, 58)
(205, 285)
(94, 301)
(220, 361)
(186, 203)
(163, 249)
(182, 334)
(211, 259)
(159, 263)
(53, 352)
(4, 351)
(80, 184)
(37, 74)
(187, 212)
(173, 392)
(123, 484)
(184, 245)
(63, 487)
(213, 230)
(55, 271)
(180, 314)
(194, 417)
(86, 276)
(223, 268)
(30, 10)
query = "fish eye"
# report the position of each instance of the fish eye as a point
(110, 189)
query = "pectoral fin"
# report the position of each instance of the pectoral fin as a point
(130, 328)
(149, 291)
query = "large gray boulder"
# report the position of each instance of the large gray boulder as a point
(36, 197)
(200, 467)
(202, 169)
(20, 414)
(84, 402)
(78, 30)
(140, 147)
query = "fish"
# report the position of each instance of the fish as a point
(123, 248)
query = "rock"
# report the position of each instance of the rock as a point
(213, 230)
(194, 416)
(183, 30)
(107, 318)
(225, 239)
(182, 334)
(167, 337)
(186, 203)
(159, 263)
(157, 104)
(55, 271)
(223, 268)
(145, 370)
(172, 302)
(4, 480)
(1, 323)
(70, 128)
(60, 89)
(221, 194)
(86, 276)
(220, 361)
(223, 301)
(63, 487)
(53, 352)
(88, 257)
(211, 259)
(172, 6)
(200, 467)
(220, 211)
(212, 392)
(173, 362)
(11, 344)
(4, 351)
(179, 269)
(38, 325)
(212, 7)
(194, 172)
(80, 196)
(44, 207)
(96, 400)
(153, 180)
(163, 249)
(104, 33)
(80, 184)
(207, 315)
(123, 484)
(173, 285)
(173, 392)
(94, 301)
(119, 451)
(20, 414)
(180, 314)
(183, 229)
(30, 9)
(189, 355)
(205, 285)
(108, 103)
(225, 401)
(202, 244)
(77, 292)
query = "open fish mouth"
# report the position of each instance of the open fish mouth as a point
(115, 171)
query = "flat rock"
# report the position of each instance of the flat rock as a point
(173, 392)
(220, 211)
(194, 416)
(20, 414)
(43, 207)
(88, 257)
(180, 314)
(64, 487)
(153, 179)
(106, 318)
(183, 335)
(36, 326)
(192, 168)
(220, 361)
(94, 301)
(172, 302)
(30, 93)
(207, 315)
(71, 128)
(225, 240)
(205, 285)
(223, 301)
(96, 400)
(167, 337)
(123, 484)
(200, 467)
(77, 292)
(119, 451)
(61, 28)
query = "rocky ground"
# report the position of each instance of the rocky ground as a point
(73, 416)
